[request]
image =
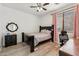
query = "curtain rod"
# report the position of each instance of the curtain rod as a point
(65, 10)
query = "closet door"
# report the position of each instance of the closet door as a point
(69, 23)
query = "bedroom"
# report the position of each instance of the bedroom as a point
(28, 20)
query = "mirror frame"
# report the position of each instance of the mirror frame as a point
(13, 24)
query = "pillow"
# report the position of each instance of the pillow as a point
(43, 30)
(46, 31)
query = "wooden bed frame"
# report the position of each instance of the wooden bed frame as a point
(30, 39)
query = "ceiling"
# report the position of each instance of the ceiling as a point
(25, 7)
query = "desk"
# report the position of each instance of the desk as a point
(71, 48)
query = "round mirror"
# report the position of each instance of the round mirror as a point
(12, 27)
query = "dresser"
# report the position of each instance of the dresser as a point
(10, 40)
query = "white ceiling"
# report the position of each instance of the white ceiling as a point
(25, 7)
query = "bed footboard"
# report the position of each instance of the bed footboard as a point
(29, 40)
(31, 43)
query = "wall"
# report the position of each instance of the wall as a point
(46, 20)
(27, 23)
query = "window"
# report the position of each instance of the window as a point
(68, 21)
(59, 22)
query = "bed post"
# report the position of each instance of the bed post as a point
(40, 29)
(52, 35)
(22, 36)
(31, 43)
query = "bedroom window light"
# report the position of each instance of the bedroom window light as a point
(59, 22)
(39, 9)
(68, 21)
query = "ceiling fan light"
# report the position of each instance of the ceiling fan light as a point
(39, 9)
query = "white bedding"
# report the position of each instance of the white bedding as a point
(39, 37)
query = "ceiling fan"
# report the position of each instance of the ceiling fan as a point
(40, 6)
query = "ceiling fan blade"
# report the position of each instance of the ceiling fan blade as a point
(33, 6)
(45, 4)
(44, 9)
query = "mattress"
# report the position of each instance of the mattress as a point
(39, 37)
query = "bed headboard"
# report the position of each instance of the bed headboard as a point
(46, 27)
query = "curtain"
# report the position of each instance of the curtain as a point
(55, 28)
(76, 22)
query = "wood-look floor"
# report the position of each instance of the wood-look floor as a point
(22, 49)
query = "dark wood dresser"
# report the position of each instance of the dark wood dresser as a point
(10, 40)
